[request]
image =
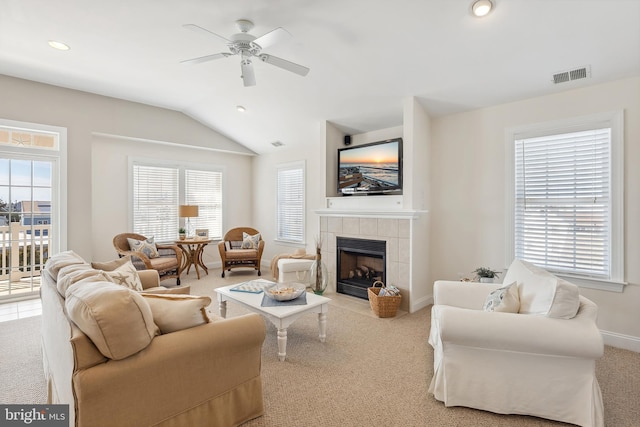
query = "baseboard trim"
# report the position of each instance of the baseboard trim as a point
(626, 342)
(421, 303)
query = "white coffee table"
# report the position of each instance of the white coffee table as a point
(281, 316)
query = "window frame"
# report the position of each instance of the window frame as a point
(181, 167)
(301, 164)
(613, 120)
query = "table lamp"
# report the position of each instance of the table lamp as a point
(188, 211)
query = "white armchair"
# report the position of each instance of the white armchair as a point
(515, 363)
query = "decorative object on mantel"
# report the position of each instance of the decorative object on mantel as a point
(384, 300)
(486, 275)
(319, 274)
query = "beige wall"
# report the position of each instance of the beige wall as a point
(85, 115)
(264, 198)
(111, 187)
(468, 189)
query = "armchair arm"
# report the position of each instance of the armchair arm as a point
(222, 249)
(523, 333)
(149, 278)
(462, 294)
(260, 248)
(170, 246)
(136, 254)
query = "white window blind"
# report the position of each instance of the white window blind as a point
(155, 202)
(204, 189)
(562, 212)
(291, 203)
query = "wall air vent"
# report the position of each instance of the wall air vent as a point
(570, 75)
(277, 144)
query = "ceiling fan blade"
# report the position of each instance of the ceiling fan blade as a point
(248, 76)
(272, 37)
(206, 58)
(284, 64)
(200, 30)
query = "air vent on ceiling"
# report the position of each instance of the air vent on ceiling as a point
(570, 75)
(277, 144)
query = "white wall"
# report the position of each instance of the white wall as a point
(85, 115)
(468, 190)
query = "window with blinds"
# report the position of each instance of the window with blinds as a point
(159, 190)
(204, 189)
(291, 202)
(563, 202)
(155, 202)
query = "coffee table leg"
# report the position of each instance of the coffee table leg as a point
(322, 325)
(282, 344)
(222, 306)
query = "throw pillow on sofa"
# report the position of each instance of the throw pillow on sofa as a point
(111, 265)
(504, 300)
(126, 275)
(117, 319)
(176, 312)
(541, 292)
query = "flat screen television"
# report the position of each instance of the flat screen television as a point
(374, 168)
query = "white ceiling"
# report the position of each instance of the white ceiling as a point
(365, 56)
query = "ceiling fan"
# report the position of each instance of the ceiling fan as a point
(248, 47)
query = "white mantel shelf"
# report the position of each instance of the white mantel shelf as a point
(369, 213)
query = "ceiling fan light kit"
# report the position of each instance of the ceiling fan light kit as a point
(248, 46)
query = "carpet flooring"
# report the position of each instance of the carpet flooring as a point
(369, 371)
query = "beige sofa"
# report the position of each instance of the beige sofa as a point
(202, 375)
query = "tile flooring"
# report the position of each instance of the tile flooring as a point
(20, 309)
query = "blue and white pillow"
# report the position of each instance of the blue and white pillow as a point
(147, 247)
(249, 241)
(504, 300)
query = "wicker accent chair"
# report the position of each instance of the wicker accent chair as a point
(168, 264)
(232, 254)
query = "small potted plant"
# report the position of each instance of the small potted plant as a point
(182, 233)
(486, 275)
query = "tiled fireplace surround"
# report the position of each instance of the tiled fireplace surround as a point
(394, 231)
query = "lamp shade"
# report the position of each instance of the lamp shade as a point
(188, 211)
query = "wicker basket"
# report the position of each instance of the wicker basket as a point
(384, 306)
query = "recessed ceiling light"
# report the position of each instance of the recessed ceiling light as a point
(58, 45)
(481, 7)
(241, 108)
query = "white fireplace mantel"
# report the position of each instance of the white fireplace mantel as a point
(368, 207)
(371, 213)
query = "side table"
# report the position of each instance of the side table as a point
(192, 249)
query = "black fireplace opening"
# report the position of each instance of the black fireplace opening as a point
(360, 263)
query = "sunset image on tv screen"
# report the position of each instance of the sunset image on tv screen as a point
(369, 168)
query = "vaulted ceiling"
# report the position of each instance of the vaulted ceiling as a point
(364, 56)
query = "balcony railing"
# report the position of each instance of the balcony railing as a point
(25, 249)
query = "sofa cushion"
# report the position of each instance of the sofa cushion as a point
(147, 247)
(176, 312)
(504, 300)
(249, 241)
(541, 292)
(126, 275)
(117, 319)
(62, 259)
(77, 273)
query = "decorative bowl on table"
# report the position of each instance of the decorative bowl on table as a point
(285, 291)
